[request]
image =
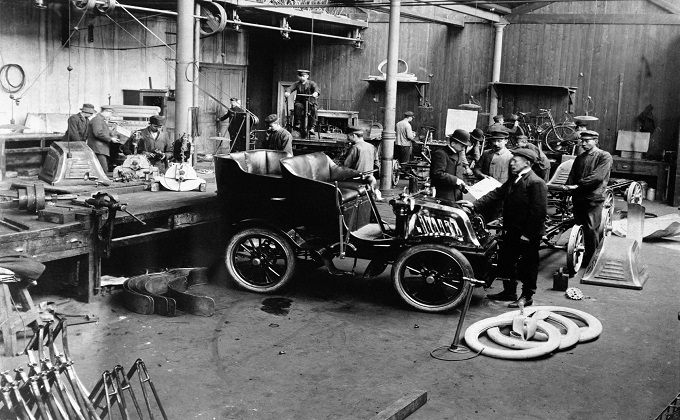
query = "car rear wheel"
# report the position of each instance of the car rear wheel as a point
(260, 259)
(429, 277)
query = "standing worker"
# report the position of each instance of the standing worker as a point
(278, 138)
(403, 146)
(78, 124)
(495, 163)
(362, 156)
(587, 181)
(100, 136)
(542, 164)
(448, 167)
(305, 103)
(525, 199)
(236, 126)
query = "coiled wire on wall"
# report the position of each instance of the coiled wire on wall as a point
(5, 81)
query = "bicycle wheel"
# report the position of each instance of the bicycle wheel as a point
(554, 136)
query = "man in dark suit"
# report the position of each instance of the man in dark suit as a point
(524, 196)
(542, 164)
(448, 166)
(154, 143)
(587, 181)
(100, 136)
(77, 124)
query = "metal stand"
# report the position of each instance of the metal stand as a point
(456, 351)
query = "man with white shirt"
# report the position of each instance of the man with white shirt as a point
(524, 196)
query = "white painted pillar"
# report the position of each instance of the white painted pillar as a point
(496, 74)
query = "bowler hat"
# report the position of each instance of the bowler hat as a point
(300, 72)
(589, 134)
(477, 134)
(88, 108)
(460, 136)
(271, 118)
(526, 153)
(355, 130)
(408, 114)
(157, 120)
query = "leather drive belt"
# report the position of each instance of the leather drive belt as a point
(167, 293)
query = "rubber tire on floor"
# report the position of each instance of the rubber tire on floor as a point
(589, 333)
(280, 241)
(453, 254)
(475, 330)
(569, 339)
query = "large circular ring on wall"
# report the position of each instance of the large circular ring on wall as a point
(12, 78)
(384, 62)
(84, 5)
(215, 18)
(108, 6)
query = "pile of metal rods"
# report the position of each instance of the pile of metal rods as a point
(50, 388)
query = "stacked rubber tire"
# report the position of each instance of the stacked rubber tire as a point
(548, 338)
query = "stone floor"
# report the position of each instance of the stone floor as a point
(347, 348)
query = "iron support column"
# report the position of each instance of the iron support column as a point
(389, 135)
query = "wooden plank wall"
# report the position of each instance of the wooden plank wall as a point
(591, 57)
(115, 60)
(456, 61)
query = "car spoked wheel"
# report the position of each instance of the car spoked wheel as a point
(429, 277)
(260, 260)
(607, 213)
(634, 193)
(575, 249)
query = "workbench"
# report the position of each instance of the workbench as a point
(76, 244)
(641, 169)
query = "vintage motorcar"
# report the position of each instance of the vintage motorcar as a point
(282, 209)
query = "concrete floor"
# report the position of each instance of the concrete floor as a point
(347, 348)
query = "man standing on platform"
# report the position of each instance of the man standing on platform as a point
(587, 181)
(525, 198)
(495, 163)
(305, 101)
(448, 167)
(405, 135)
(78, 124)
(100, 137)
(278, 138)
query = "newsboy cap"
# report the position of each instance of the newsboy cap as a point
(352, 129)
(300, 72)
(408, 114)
(157, 120)
(526, 153)
(589, 134)
(271, 118)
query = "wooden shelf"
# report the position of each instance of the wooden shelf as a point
(569, 90)
(421, 87)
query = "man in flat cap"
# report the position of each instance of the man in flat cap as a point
(100, 137)
(278, 138)
(494, 163)
(362, 155)
(403, 146)
(78, 124)
(587, 181)
(525, 198)
(236, 125)
(542, 165)
(448, 167)
(305, 101)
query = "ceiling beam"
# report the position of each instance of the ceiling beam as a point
(529, 7)
(466, 10)
(596, 19)
(667, 6)
(412, 13)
